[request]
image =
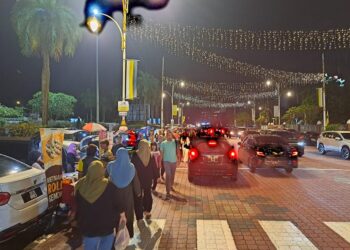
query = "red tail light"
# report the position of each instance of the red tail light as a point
(4, 198)
(223, 131)
(193, 154)
(232, 154)
(294, 152)
(259, 153)
(212, 143)
(211, 131)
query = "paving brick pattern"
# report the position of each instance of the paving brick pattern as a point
(306, 198)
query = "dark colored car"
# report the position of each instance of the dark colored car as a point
(212, 156)
(258, 151)
(293, 139)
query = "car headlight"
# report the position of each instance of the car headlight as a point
(232, 133)
(301, 144)
(240, 132)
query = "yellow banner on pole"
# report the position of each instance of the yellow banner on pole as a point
(320, 97)
(174, 112)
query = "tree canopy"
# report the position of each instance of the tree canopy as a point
(61, 105)
(7, 112)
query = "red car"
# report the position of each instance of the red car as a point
(212, 156)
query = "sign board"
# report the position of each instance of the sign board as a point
(174, 110)
(51, 147)
(123, 106)
(276, 111)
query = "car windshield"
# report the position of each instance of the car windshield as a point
(346, 136)
(9, 166)
(262, 140)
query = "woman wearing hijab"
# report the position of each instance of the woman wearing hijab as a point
(72, 158)
(98, 208)
(123, 175)
(146, 169)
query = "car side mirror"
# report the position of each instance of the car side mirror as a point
(338, 138)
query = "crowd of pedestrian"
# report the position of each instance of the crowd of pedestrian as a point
(116, 184)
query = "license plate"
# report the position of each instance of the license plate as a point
(212, 159)
(31, 195)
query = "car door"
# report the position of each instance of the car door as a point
(336, 142)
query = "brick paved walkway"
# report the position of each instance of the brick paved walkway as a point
(246, 213)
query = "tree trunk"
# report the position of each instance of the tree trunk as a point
(45, 88)
(90, 114)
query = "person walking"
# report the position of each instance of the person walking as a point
(83, 164)
(169, 153)
(105, 153)
(117, 145)
(123, 175)
(146, 169)
(157, 157)
(72, 158)
(98, 207)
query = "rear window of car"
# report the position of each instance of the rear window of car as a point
(262, 140)
(346, 136)
(9, 166)
(284, 134)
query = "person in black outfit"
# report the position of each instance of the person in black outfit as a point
(99, 207)
(146, 169)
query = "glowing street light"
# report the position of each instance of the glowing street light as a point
(260, 108)
(289, 94)
(249, 102)
(94, 24)
(188, 103)
(163, 95)
(182, 84)
(268, 83)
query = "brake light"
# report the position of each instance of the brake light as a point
(193, 154)
(259, 153)
(232, 154)
(223, 131)
(212, 143)
(294, 152)
(211, 131)
(4, 198)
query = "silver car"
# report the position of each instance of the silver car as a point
(335, 141)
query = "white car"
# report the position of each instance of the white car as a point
(23, 196)
(335, 141)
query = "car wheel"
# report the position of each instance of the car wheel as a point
(345, 153)
(321, 149)
(289, 170)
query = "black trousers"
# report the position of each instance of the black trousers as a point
(143, 203)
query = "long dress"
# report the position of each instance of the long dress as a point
(127, 196)
(146, 174)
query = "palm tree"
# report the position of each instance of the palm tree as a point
(47, 29)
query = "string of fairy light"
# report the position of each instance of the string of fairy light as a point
(179, 47)
(194, 42)
(239, 39)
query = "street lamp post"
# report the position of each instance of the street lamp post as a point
(278, 86)
(182, 84)
(95, 27)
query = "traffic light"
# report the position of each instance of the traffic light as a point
(94, 8)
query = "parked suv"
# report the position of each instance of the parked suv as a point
(336, 141)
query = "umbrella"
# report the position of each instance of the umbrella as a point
(94, 127)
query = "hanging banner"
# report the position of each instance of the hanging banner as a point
(320, 97)
(131, 79)
(51, 147)
(174, 112)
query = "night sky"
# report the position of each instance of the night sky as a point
(20, 76)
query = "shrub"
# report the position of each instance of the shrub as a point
(23, 129)
(334, 127)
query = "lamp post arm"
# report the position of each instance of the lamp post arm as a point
(115, 22)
